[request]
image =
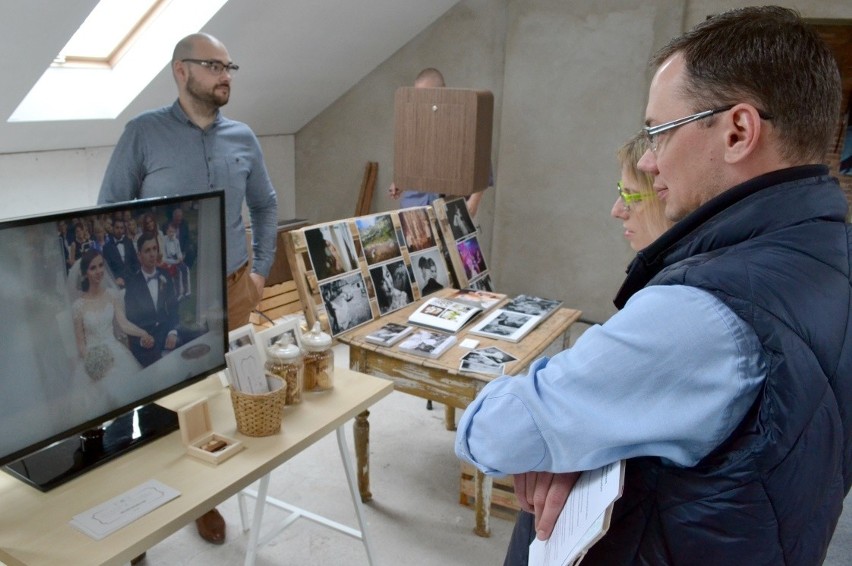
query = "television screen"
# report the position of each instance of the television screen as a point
(103, 311)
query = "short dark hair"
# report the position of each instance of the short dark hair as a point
(766, 56)
(147, 235)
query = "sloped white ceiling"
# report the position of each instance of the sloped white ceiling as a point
(296, 57)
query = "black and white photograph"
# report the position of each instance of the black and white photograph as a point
(477, 362)
(459, 219)
(430, 271)
(528, 304)
(506, 325)
(427, 343)
(392, 285)
(482, 283)
(332, 250)
(389, 334)
(346, 302)
(496, 355)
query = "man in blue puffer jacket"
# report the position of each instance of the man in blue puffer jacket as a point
(726, 378)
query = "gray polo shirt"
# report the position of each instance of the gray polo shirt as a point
(162, 153)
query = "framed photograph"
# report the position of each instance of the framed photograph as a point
(482, 283)
(459, 219)
(346, 302)
(378, 238)
(416, 229)
(242, 336)
(331, 250)
(392, 284)
(471, 257)
(269, 336)
(430, 271)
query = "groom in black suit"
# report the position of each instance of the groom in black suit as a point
(120, 254)
(150, 302)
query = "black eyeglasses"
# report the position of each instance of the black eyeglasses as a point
(651, 132)
(214, 66)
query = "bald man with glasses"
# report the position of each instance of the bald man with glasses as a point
(190, 147)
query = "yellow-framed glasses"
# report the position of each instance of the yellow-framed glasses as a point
(629, 199)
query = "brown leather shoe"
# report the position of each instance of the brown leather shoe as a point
(211, 527)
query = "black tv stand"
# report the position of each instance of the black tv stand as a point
(66, 459)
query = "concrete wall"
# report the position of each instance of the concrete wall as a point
(570, 83)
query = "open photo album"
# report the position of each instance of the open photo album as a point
(444, 314)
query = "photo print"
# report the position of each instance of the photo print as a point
(482, 283)
(242, 336)
(346, 302)
(459, 219)
(416, 229)
(430, 271)
(471, 257)
(506, 323)
(331, 250)
(496, 355)
(378, 238)
(392, 285)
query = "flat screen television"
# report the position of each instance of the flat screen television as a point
(84, 352)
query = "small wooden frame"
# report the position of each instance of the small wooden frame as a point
(460, 235)
(196, 431)
(268, 336)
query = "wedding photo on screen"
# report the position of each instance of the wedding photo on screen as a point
(87, 335)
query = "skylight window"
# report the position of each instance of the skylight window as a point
(108, 30)
(117, 51)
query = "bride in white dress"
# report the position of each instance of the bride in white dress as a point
(96, 312)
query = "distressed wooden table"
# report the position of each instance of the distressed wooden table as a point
(440, 380)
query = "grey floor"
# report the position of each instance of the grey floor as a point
(414, 519)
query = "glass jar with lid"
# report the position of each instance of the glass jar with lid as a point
(284, 359)
(319, 360)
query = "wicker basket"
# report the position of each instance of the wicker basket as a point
(260, 414)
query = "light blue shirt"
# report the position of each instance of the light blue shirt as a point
(670, 375)
(416, 198)
(162, 153)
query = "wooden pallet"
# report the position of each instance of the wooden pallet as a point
(278, 300)
(504, 504)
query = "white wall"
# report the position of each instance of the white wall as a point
(39, 182)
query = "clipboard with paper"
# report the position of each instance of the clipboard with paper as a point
(584, 519)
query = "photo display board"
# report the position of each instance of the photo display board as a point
(349, 272)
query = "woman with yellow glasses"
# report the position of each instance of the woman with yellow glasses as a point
(637, 205)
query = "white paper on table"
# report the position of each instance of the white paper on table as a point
(121, 510)
(583, 519)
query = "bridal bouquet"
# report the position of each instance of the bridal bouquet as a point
(98, 362)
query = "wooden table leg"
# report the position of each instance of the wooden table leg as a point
(450, 417)
(482, 486)
(361, 431)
